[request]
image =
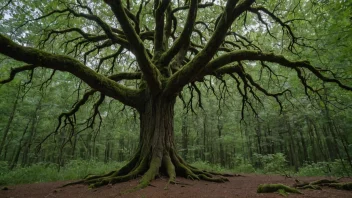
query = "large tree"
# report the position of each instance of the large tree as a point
(143, 53)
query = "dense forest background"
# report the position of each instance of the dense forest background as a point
(310, 135)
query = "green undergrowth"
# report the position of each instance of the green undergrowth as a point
(334, 168)
(209, 167)
(241, 168)
(77, 169)
(46, 172)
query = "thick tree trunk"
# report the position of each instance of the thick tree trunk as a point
(156, 154)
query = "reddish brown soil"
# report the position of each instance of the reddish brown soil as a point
(237, 187)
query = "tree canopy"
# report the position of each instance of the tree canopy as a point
(144, 53)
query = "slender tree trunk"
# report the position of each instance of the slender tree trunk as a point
(330, 126)
(108, 144)
(292, 147)
(258, 131)
(312, 141)
(121, 156)
(184, 131)
(89, 146)
(345, 144)
(281, 144)
(32, 132)
(74, 143)
(17, 152)
(249, 144)
(304, 146)
(204, 136)
(222, 154)
(322, 149)
(9, 122)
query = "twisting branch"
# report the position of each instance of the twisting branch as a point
(91, 120)
(269, 57)
(284, 25)
(88, 37)
(160, 8)
(67, 117)
(150, 72)
(15, 71)
(75, 109)
(131, 16)
(106, 28)
(3, 7)
(187, 7)
(114, 56)
(47, 81)
(264, 91)
(245, 42)
(126, 76)
(190, 71)
(68, 64)
(184, 39)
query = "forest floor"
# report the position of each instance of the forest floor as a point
(239, 186)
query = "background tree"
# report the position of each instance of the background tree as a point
(157, 49)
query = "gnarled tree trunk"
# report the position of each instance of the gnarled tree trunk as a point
(156, 154)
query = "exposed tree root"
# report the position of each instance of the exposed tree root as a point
(316, 185)
(282, 189)
(169, 164)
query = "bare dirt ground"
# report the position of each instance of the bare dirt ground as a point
(245, 186)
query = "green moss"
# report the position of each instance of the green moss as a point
(323, 181)
(151, 173)
(270, 188)
(282, 192)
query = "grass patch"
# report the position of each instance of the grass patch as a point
(44, 172)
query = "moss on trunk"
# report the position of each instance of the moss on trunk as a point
(156, 153)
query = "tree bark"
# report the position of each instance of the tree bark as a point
(156, 153)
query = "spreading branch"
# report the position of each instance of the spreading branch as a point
(184, 38)
(71, 65)
(190, 71)
(150, 72)
(247, 55)
(15, 71)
